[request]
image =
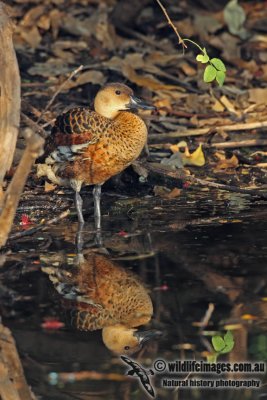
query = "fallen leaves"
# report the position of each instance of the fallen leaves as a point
(258, 95)
(196, 158)
(225, 163)
(55, 36)
(166, 193)
(92, 76)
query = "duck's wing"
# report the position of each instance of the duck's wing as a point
(73, 131)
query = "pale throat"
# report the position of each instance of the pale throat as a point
(107, 111)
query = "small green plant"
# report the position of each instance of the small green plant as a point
(215, 70)
(221, 345)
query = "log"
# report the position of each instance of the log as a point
(9, 94)
(13, 385)
(12, 195)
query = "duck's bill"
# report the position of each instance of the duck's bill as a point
(145, 336)
(136, 103)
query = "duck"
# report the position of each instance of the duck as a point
(97, 293)
(88, 147)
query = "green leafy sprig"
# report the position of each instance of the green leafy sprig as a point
(221, 345)
(215, 70)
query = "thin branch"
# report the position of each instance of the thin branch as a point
(34, 126)
(204, 131)
(40, 227)
(60, 88)
(180, 40)
(241, 143)
(144, 38)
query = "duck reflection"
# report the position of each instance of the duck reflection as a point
(102, 295)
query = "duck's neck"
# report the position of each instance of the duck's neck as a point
(107, 111)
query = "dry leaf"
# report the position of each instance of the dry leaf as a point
(44, 22)
(31, 36)
(196, 158)
(185, 27)
(218, 106)
(165, 192)
(163, 103)
(147, 81)
(187, 69)
(32, 16)
(227, 103)
(174, 193)
(258, 95)
(52, 67)
(49, 187)
(227, 163)
(95, 77)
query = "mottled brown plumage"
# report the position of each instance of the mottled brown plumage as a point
(99, 294)
(88, 147)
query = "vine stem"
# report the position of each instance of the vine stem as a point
(180, 40)
(194, 43)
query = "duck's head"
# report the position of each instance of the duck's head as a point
(116, 97)
(122, 340)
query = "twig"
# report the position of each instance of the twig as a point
(228, 188)
(34, 126)
(58, 91)
(241, 143)
(204, 131)
(180, 40)
(144, 38)
(205, 320)
(40, 227)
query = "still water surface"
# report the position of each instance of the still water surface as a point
(193, 254)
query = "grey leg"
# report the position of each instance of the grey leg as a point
(79, 238)
(97, 211)
(79, 205)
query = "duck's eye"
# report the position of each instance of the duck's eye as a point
(127, 348)
(118, 92)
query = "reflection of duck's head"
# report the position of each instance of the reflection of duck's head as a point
(123, 340)
(103, 295)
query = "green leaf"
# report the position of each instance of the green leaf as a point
(209, 73)
(202, 58)
(229, 342)
(218, 64)
(218, 343)
(228, 337)
(220, 77)
(229, 347)
(234, 17)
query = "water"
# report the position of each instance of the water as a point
(194, 253)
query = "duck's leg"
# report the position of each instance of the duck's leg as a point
(79, 234)
(97, 210)
(76, 186)
(79, 238)
(79, 204)
(97, 215)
